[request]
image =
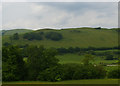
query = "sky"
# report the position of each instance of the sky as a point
(56, 15)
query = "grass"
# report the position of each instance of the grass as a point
(75, 58)
(89, 81)
(70, 58)
(75, 38)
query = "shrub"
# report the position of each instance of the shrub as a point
(114, 73)
(51, 74)
(89, 72)
(54, 36)
(69, 70)
(77, 71)
(16, 36)
(33, 36)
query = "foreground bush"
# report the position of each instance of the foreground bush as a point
(13, 68)
(51, 74)
(72, 72)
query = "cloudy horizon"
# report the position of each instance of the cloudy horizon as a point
(34, 15)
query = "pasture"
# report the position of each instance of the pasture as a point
(75, 58)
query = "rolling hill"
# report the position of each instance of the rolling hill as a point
(72, 37)
(11, 32)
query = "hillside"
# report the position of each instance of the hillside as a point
(73, 37)
(11, 32)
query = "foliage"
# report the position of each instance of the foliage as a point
(51, 74)
(42, 64)
(16, 36)
(89, 72)
(87, 59)
(33, 36)
(6, 44)
(40, 59)
(114, 73)
(54, 36)
(13, 65)
(89, 50)
(69, 70)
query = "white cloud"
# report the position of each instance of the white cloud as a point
(34, 15)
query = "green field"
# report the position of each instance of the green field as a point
(74, 38)
(75, 58)
(91, 81)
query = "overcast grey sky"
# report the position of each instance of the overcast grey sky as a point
(59, 14)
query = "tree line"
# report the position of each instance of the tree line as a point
(109, 55)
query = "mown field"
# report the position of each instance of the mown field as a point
(91, 81)
(82, 37)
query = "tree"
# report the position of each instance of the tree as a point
(16, 36)
(6, 44)
(114, 73)
(33, 36)
(13, 64)
(69, 70)
(89, 72)
(51, 74)
(40, 59)
(87, 59)
(54, 36)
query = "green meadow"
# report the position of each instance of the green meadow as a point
(75, 58)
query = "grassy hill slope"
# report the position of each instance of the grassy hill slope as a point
(77, 37)
(11, 32)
